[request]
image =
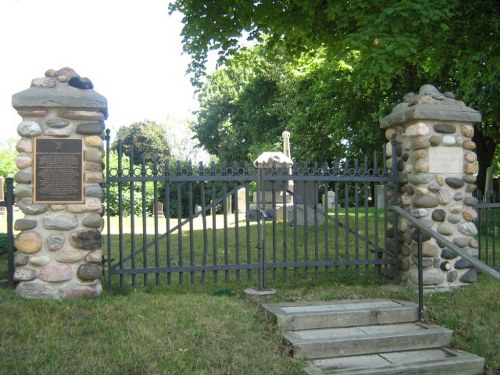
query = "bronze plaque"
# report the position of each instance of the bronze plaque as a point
(58, 170)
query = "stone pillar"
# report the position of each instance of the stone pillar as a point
(59, 242)
(437, 169)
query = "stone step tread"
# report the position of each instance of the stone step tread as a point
(341, 313)
(422, 361)
(337, 342)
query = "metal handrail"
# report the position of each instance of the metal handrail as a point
(442, 240)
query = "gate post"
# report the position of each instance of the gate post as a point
(59, 187)
(437, 169)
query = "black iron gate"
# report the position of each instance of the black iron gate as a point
(170, 223)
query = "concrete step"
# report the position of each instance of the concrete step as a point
(381, 338)
(342, 313)
(428, 361)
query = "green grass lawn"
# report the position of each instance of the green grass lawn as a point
(206, 329)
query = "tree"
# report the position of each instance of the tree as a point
(8, 157)
(391, 46)
(143, 138)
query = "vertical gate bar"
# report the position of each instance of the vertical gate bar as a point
(487, 231)
(132, 215)
(205, 230)
(479, 228)
(248, 233)
(327, 228)
(284, 194)
(316, 225)
(180, 258)
(191, 224)
(366, 192)
(260, 230)
(144, 218)
(305, 229)
(108, 209)
(9, 203)
(214, 229)
(166, 198)
(495, 231)
(236, 229)
(295, 237)
(356, 217)
(346, 222)
(337, 230)
(120, 211)
(376, 212)
(385, 255)
(155, 218)
(225, 212)
(275, 235)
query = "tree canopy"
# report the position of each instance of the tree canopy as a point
(145, 138)
(389, 47)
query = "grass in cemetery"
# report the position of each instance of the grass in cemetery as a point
(209, 328)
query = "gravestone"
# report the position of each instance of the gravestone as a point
(329, 201)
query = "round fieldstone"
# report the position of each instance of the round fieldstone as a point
(469, 277)
(427, 262)
(428, 250)
(57, 123)
(431, 276)
(449, 140)
(405, 264)
(94, 257)
(445, 129)
(444, 196)
(405, 250)
(23, 191)
(445, 266)
(417, 129)
(91, 205)
(21, 259)
(459, 140)
(28, 242)
(454, 218)
(470, 188)
(400, 165)
(471, 201)
(434, 187)
(403, 178)
(90, 128)
(419, 154)
(93, 141)
(468, 228)
(93, 177)
(422, 166)
(469, 214)
(452, 276)
(427, 201)
(445, 229)
(89, 272)
(424, 236)
(455, 183)
(60, 221)
(59, 132)
(55, 241)
(435, 140)
(69, 256)
(94, 166)
(463, 263)
(29, 129)
(94, 191)
(458, 196)
(80, 291)
(25, 274)
(24, 224)
(469, 145)
(439, 180)
(448, 254)
(473, 243)
(34, 290)
(419, 212)
(40, 261)
(456, 209)
(470, 157)
(421, 142)
(470, 178)
(93, 154)
(461, 241)
(439, 215)
(410, 190)
(93, 221)
(467, 131)
(421, 190)
(471, 168)
(23, 161)
(405, 156)
(56, 273)
(389, 132)
(405, 200)
(88, 239)
(24, 145)
(28, 208)
(420, 178)
(23, 177)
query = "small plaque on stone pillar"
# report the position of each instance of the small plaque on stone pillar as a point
(446, 160)
(58, 170)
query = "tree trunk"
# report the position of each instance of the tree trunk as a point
(485, 150)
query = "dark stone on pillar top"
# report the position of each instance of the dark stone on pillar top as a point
(82, 83)
(57, 123)
(90, 128)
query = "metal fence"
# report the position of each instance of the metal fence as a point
(177, 222)
(488, 225)
(9, 240)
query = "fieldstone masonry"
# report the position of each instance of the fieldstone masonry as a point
(59, 245)
(437, 169)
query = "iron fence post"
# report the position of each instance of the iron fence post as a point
(420, 277)
(9, 182)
